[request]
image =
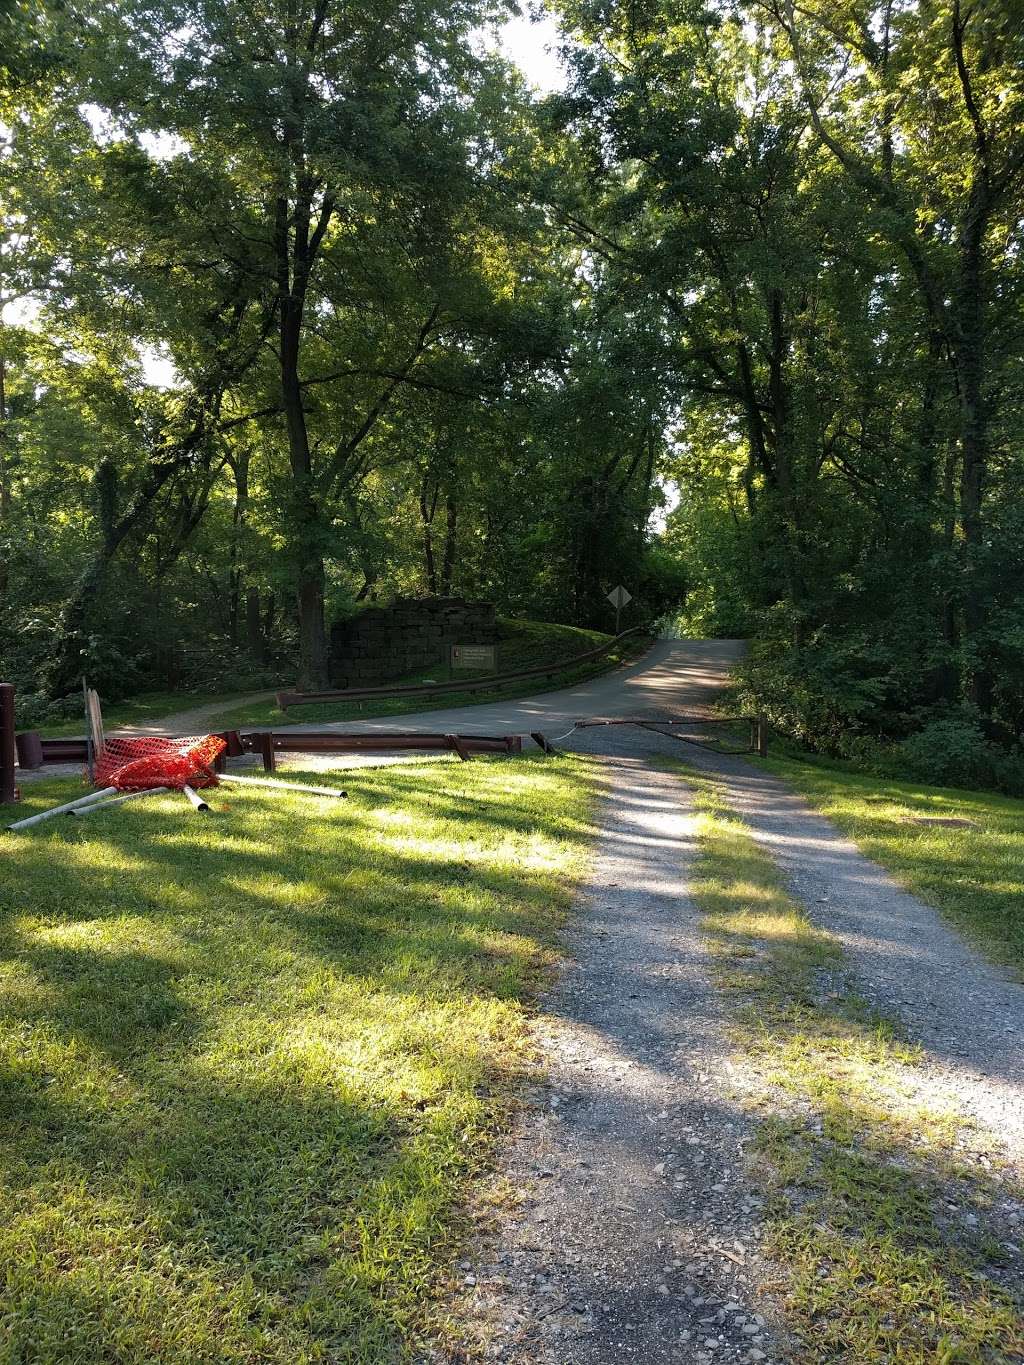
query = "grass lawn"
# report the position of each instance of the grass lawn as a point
(884, 1211)
(249, 1062)
(140, 710)
(974, 874)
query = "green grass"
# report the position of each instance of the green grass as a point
(249, 1062)
(529, 644)
(974, 875)
(886, 1228)
(147, 707)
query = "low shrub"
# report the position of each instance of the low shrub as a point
(952, 750)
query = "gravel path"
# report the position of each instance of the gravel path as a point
(966, 1013)
(196, 721)
(635, 1236)
(627, 1172)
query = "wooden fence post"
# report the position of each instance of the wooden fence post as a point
(762, 737)
(267, 751)
(30, 749)
(8, 791)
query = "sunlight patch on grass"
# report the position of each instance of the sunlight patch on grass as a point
(974, 875)
(887, 1213)
(249, 1061)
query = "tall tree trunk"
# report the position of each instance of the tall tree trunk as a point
(5, 478)
(784, 465)
(451, 529)
(254, 637)
(304, 510)
(428, 507)
(239, 465)
(970, 358)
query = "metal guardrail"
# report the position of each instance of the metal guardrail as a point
(34, 751)
(269, 743)
(286, 699)
(758, 724)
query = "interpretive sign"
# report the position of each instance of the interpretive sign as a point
(474, 656)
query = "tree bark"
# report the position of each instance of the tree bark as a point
(451, 528)
(970, 361)
(5, 478)
(428, 508)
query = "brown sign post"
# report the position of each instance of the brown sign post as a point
(8, 791)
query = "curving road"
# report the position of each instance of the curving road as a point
(674, 676)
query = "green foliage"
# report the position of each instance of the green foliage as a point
(421, 333)
(954, 751)
(832, 256)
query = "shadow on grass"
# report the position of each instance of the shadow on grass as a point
(248, 1060)
(893, 1217)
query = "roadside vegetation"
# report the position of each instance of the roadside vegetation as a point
(250, 1061)
(145, 709)
(886, 1213)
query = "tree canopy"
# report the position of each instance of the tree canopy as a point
(308, 304)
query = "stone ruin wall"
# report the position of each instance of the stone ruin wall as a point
(381, 644)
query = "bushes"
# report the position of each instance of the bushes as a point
(951, 750)
(846, 700)
(35, 711)
(824, 694)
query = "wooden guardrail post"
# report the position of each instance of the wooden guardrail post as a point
(266, 742)
(8, 791)
(455, 742)
(29, 745)
(762, 737)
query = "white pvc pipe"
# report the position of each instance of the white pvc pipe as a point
(116, 801)
(285, 786)
(195, 798)
(67, 808)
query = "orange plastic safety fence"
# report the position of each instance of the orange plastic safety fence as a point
(135, 764)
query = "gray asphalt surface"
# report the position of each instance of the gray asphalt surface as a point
(675, 675)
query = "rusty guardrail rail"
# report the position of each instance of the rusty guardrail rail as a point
(758, 729)
(286, 699)
(269, 743)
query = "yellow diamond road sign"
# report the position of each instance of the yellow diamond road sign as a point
(619, 597)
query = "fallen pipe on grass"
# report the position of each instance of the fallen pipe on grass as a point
(197, 801)
(65, 809)
(116, 800)
(285, 786)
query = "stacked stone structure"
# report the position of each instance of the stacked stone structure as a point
(384, 643)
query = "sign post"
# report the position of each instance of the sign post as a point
(619, 597)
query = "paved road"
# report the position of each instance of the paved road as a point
(674, 676)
